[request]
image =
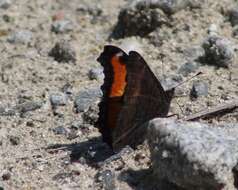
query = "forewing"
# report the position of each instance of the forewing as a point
(113, 89)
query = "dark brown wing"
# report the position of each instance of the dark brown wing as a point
(144, 99)
(112, 59)
(132, 95)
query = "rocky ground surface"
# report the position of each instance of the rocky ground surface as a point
(50, 83)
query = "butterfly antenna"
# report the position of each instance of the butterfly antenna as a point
(161, 56)
(185, 81)
(180, 107)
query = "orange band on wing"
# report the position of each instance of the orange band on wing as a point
(119, 78)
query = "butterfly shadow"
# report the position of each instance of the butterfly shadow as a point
(95, 153)
(91, 152)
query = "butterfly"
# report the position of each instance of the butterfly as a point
(132, 95)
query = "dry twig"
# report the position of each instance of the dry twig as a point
(219, 110)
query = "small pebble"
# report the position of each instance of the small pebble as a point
(77, 124)
(62, 26)
(6, 111)
(58, 113)
(58, 16)
(6, 176)
(124, 151)
(41, 167)
(86, 98)
(213, 29)
(196, 4)
(225, 96)
(60, 130)
(108, 179)
(7, 18)
(193, 53)
(90, 116)
(63, 52)
(58, 99)
(170, 81)
(73, 134)
(24, 95)
(61, 176)
(188, 68)
(139, 156)
(14, 140)
(96, 74)
(171, 7)
(233, 16)
(30, 124)
(3, 32)
(94, 9)
(235, 31)
(5, 4)
(82, 160)
(199, 89)
(28, 106)
(67, 89)
(21, 37)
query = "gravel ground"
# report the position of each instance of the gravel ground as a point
(45, 143)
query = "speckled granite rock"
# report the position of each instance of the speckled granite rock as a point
(168, 6)
(140, 17)
(194, 155)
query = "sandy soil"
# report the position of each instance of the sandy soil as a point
(32, 155)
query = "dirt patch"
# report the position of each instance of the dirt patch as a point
(59, 148)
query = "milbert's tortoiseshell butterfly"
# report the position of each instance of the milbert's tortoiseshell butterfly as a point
(132, 95)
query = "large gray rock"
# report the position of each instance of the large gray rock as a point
(193, 155)
(140, 17)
